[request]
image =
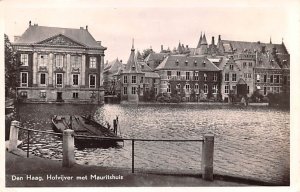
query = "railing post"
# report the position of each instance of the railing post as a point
(207, 157)
(132, 158)
(68, 148)
(13, 136)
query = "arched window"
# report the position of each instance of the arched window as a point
(205, 76)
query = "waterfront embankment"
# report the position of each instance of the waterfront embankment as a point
(40, 172)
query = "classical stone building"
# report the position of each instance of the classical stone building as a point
(60, 64)
(193, 78)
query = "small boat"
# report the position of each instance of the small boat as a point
(87, 132)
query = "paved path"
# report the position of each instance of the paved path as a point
(26, 172)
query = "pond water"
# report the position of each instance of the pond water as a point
(249, 142)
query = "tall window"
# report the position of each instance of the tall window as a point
(265, 90)
(43, 59)
(187, 75)
(178, 74)
(196, 76)
(155, 90)
(226, 89)
(250, 64)
(277, 79)
(248, 89)
(265, 78)
(169, 73)
(43, 79)
(187, 87)
(169, 88)
(142, 80)
(196, 87)
(205, 76)
(133, 90)
(205, 88)
(233, 78)
(24, 59)
(24, 79)
(75, 79)
(271, 78)
(59, 60)
(75, 61)
(244, 65)
(92, 81)
(215, 76)
(226, 76)
(215, 89)
(133, 80)
(93, 61)
(59, 79)
(231, 67)
(125, 90)
(125, 79)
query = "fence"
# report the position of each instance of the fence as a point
(68, 146)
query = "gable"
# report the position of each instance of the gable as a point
(60, 40)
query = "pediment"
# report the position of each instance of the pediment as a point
(60, 40)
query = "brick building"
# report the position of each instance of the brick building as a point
(60, 64)
(193, 78)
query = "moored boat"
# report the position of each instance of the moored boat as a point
(87, 132)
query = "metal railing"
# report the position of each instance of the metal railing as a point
(207, 149)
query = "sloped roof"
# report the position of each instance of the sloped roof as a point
(156, 57)
(241, 46)
(132, 65)
(266, 61)
(113, 66)
(178, 62)
(145, 67)
(199, 42)
(35, 34)
(241, 81)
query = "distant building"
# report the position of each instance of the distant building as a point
(60, 64)
(192, 78)
(110, 81)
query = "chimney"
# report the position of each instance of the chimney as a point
(187, 46)
(29, 23)
(263, 49)
(99, 42)
(121, 61)
(162, 47)
(213, 40)
(16, 38)
(219, 38)
(86, 27)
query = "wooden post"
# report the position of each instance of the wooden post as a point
(115, 126)
(207, 157)
(13, 136)
(68, 148)
(132, 158)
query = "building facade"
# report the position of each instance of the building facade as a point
(192, 78)
(60, 65)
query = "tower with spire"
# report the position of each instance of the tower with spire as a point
(203, 46)
(131, 78)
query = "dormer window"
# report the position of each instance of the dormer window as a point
(204, 63)
(177, 62)
(195, 62)
(186, 62)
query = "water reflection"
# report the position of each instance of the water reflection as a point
(248, 141)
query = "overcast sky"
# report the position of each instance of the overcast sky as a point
(156, 23)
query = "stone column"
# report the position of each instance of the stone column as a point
(68, 74)
(50, 70)
(68, 148)
(13, 136)
(82, 72)
(34, 68)
(53, 69)
(65, 69)
(101, 70)
(207, 157)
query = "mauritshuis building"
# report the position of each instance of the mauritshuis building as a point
(60, 64)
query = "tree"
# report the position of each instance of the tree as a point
(146, 52)
(11, 69)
